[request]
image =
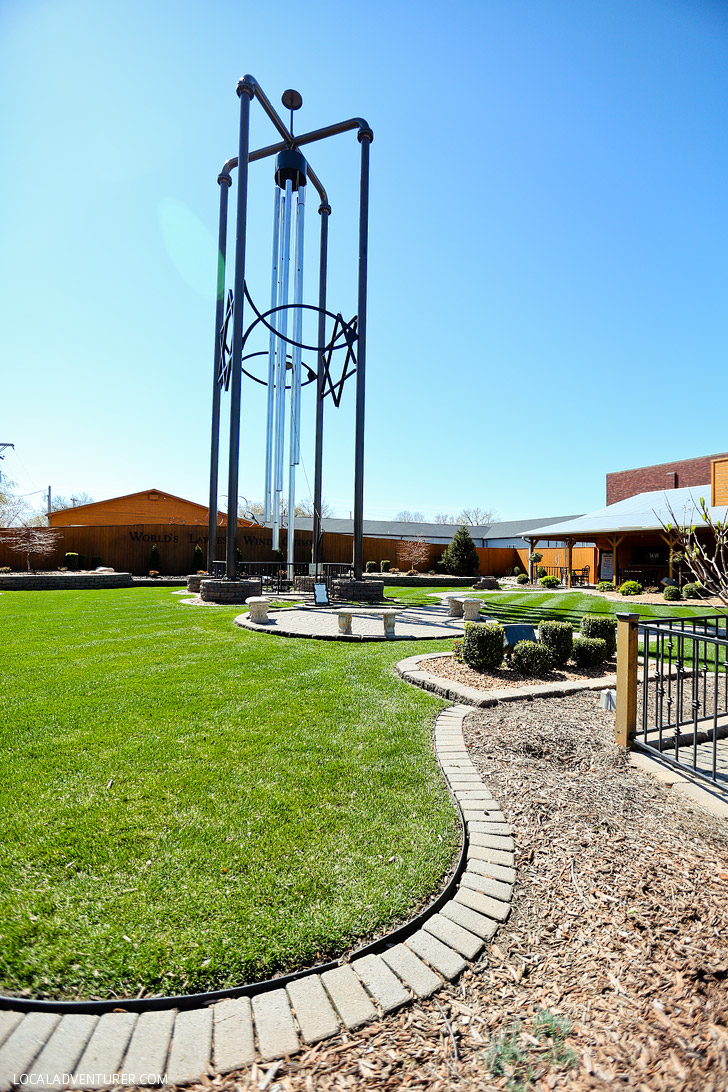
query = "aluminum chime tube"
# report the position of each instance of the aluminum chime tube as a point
(272, 359)
(294, 439)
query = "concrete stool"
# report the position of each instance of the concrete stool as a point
(257, 609)
(389, 617)
(455, 606)
(471, 609)
(344, 622)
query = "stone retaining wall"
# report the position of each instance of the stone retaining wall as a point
(63, 581)
(425, 581)
(361, 591)
(227, 591)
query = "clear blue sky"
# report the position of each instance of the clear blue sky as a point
(548, 239)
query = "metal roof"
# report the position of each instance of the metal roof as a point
(643, 512)
(431, 532)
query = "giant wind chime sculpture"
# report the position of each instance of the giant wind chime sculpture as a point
(284, 378)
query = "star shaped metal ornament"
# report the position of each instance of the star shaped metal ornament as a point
(225, 364)
(348, 332)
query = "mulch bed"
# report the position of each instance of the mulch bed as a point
(506, 677)
(618, 932)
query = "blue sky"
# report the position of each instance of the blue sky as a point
(548, 240)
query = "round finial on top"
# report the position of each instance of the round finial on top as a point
(292, 100)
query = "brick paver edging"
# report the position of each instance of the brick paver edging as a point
(82, 1050)
(412, 672)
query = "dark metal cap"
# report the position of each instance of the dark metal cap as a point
(290, 164)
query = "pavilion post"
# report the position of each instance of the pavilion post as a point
(626, 713)
(569, 548)
(531, 543)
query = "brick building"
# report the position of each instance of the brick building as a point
(649, 479)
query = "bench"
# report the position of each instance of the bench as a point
(463, 606)
(388, 620)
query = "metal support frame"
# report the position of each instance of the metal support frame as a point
(248, 88)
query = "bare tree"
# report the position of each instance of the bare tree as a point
(13, 509)
(59, 502)
(444, 517)
(413, 552)
(703, 547)
(33, 542)
(305, 508)
(477, 517)
(406, 516)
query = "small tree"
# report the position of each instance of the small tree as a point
(702, 547)
(413, 552)
(154, 562)
(33, 542)
(461, 556)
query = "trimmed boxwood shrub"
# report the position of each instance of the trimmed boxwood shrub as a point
(541, 571)
(72, 560)
(371, 566)
(516, 570)
(606, 585)
(96, 561)
(522, 579)
(600, 625)
(198, 559)
(630, 587)
(482, 646)
(558, 638)
(154, 562)
(694, 591)
(384, 566)
(589, 651)
(549, 581)
(671, 592)
(530, 658)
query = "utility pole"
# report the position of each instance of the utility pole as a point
(2, 449)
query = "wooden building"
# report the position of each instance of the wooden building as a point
(147, 506)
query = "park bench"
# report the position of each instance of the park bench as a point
(388, 619)
(258, 609)
(463, 606)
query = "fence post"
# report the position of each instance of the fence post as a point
(626, 717)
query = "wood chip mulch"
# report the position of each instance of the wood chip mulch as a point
(506, 678)
(612, 970)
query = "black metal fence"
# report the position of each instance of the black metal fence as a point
(682, 698)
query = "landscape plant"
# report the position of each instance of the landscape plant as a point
(589, 651)
(522, 578)
(558, 639)
(482, 647)
(606, 585)
(694, 590)
(155, 564)
(531, 658)
(370, 567)
(703, 545)
(541, 571)
(384, 566)
(413, 553)
(672, 593)
(461, 556)
(535, 557)
(35, 543)
(603, 626)
(198, 559)
(630, 587)
(549, 581)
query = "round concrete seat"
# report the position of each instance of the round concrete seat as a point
(344, 622)
(257, 608)
(454, 605)
(471, 609)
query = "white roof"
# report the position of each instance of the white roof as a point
(644, 512)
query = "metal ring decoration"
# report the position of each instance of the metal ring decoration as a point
(264, 382)
(262, 317)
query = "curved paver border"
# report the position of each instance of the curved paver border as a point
(412, 672)
(39, 1047)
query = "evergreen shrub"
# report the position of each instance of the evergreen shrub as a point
(693, 591)
(461, 557)
(589, 651)
(600, 625)
(558, 638)
(530, 658)
(482, 646)
(198, 559)
(72, 561)
(371, 566)
(606, 585)
(630, 587)
(384, 566)
(522, 579)
(672, 593)
(154, 562)
(549, 581)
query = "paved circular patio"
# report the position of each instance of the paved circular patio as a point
(322, 623)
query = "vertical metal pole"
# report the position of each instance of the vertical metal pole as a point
(245, 90)
(272, 358)
(324, 212)
(294, 439)
(224, 181)
(365, 137)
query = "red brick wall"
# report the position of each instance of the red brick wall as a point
(646, 479)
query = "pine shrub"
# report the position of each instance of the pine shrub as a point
(630, 587)
(371, 566)
(482, 647)
(549, 581)
(589, 651)
(522, 579)
(600, 625)
(558, 638)
(461, 557)
(72, 561)
(384, 566)
(530, 658)
(606, 585)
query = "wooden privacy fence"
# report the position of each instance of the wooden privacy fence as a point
(128, 549)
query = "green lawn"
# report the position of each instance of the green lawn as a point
(188, 805)
(568, 606)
